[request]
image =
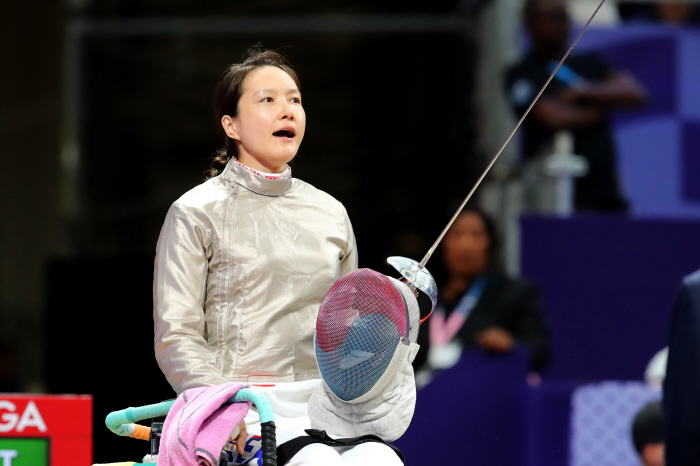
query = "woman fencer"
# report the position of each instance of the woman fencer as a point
(244, 260)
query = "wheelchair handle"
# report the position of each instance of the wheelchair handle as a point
(122, 422)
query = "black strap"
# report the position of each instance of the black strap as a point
(287, 450)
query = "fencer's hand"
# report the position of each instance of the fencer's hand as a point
(495, 339)
(240, 436)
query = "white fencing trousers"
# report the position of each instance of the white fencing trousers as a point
(290, 402)
(365, 454)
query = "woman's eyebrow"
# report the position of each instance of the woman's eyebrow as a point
(291, 90)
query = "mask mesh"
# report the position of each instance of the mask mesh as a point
(360, 322)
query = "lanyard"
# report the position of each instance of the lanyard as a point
(443, 330)
(566, 74)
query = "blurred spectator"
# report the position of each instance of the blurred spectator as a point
(9, 369)
(648, 434)
(669, 12)
(477, 304)
(578, 99)
(677, 12)
(681, 402)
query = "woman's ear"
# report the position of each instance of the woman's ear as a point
(230, 128)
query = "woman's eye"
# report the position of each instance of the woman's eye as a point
(266, 99)
(296, 100)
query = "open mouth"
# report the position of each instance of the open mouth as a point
(284, 133)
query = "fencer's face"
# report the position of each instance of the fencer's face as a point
(466, 246)
(270, 123)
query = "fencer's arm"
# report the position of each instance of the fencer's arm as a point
(349, 260)
(179, 287)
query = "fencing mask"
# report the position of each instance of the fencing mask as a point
(366, 335)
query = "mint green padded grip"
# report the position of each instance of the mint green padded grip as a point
(116, 420)
(259, 400)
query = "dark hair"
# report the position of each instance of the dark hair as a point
(228, 92)
(489, 226)
(439, 268)
(648, 426)
(532, 7)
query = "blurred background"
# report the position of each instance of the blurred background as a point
(106, 120)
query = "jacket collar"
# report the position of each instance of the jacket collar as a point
(251, 180)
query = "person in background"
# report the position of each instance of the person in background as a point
(678, 13)
(578, 99)
(681, 401)
(667, 12)
(477, 304)
(648, 434)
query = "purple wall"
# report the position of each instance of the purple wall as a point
(482, 413)
(658, 146)
(608, 285)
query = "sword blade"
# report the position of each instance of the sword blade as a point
(517, 126)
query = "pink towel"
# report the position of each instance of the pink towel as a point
(199, 424)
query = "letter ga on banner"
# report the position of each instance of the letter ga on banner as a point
(45, 430)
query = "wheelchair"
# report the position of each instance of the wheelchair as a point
(124, 423)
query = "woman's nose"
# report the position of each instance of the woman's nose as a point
(286, 111)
